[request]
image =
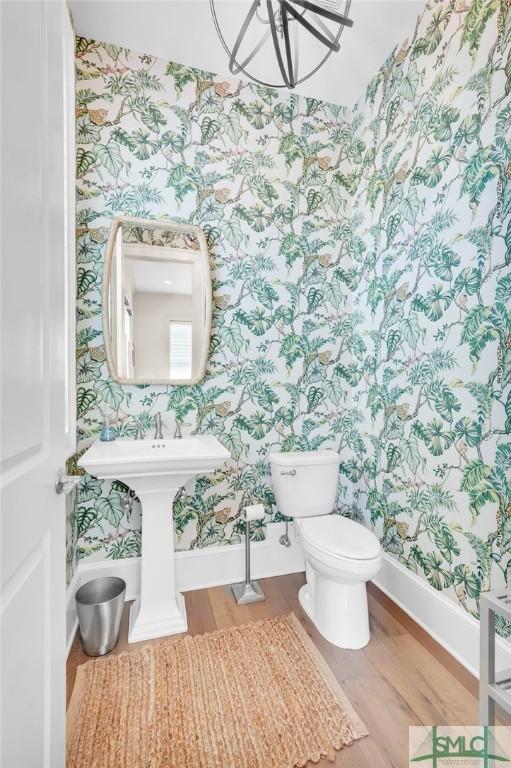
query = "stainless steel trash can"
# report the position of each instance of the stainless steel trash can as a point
(99, 605)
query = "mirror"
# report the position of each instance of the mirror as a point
(156, 302)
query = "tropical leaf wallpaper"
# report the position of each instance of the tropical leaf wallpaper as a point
(264, 174)
(362, 287)
(431, 273)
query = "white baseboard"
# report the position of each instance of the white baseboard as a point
(447, 623)
(197, 568)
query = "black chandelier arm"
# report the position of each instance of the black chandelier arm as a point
(338, 17)
(275, 38)
(285, 32)
(325, 29)
(250, 15)
(252, 54)
(279, 25)
(331, 44)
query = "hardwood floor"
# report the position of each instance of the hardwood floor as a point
(402, 678)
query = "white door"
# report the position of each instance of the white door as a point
(36, 379)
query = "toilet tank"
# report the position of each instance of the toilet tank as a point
(305, 482)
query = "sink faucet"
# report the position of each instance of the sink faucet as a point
(158, 434)
(179, 424)
(140, 433)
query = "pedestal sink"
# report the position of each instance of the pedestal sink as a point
(155, 470)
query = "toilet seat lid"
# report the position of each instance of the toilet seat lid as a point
(340, 537)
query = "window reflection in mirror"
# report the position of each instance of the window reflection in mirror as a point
(159, 303)
(180, 349)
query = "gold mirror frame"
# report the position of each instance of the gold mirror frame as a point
(186, 229)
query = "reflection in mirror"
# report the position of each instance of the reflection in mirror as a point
(158, 302)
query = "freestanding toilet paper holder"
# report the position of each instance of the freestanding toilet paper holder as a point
(249, 591)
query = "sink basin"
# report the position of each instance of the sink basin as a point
(155, 470)
(121, 458)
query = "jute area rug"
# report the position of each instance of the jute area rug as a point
(253, 696)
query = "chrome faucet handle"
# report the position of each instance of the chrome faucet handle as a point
(139, 434)
(158, 434)
(178, 434)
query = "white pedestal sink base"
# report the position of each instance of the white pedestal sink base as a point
(144, 627)
(160, 609)
(155, 471)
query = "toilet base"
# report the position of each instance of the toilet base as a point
(338, 611)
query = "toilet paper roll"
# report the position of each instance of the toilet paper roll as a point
(254, 512)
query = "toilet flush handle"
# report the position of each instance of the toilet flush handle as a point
(291, 472)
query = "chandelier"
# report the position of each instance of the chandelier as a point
(279, 43)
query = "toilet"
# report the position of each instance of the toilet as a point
(340, 554)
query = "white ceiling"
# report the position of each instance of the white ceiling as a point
(161, 276)
(183, 31)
